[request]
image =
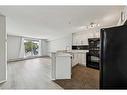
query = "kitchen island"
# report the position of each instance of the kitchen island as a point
(61, 65)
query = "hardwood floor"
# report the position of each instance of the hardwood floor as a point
(82, 78)
(36, 74)
(30, 74)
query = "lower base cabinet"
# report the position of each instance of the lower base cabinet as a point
(79, 58)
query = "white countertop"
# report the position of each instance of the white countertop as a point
(69, 53)
(79, 51)
(62, 54)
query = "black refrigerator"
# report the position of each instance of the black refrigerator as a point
(113, 66)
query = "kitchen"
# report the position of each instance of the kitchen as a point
(65, 61)
(83, 57)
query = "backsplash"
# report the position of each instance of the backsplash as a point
(80, 47)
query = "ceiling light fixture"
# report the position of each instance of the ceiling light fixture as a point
(93, 25)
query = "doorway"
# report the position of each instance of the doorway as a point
(32, 48)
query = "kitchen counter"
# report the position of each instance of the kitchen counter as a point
(78, 56)
(63, 54)
(79, 51)
(63, 61)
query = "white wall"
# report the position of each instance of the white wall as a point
(3, 60)
(61, 43)
(13, 47)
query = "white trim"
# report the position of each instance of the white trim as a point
(21, 59)
(3, 81)
(53, 79)
(26, 37)
(6, 58)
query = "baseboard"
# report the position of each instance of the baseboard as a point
(75, 65)
(21, 59)
(53, 79)
(82, 64)
(3, 81)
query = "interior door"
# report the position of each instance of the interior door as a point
(3, 61)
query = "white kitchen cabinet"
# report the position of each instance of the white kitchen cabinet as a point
(83, 59)
(79, 57)
(61, 66)
(53, 71)
(75, 59)
(81, 38)
(123, 17)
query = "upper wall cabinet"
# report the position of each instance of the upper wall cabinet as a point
(81, 38)
(123, 17)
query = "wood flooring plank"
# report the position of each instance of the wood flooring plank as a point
(30, 74)
(82, 78)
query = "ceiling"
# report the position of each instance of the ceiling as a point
(51, 22)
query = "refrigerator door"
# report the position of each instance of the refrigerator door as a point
(113, 74)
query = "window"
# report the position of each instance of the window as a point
(31, 47)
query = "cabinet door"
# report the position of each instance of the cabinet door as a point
(83, 59)
(79, 58)
(53, 66)
(3, 61)
(74, 59)
(63, 67)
